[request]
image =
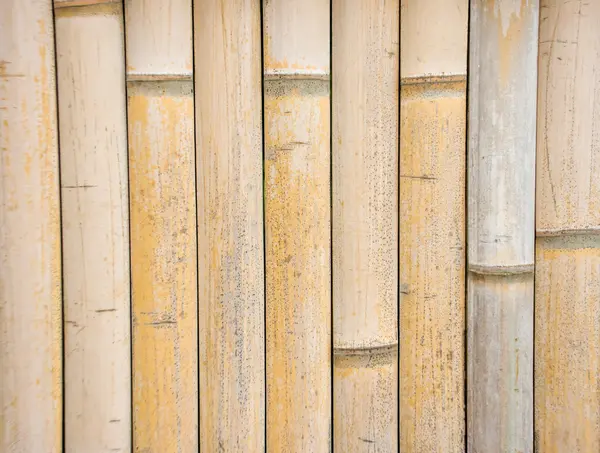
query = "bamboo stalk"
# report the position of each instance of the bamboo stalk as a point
(501, 178)
(30, 261)
(433, 113)
(93, 150)
(163, 225)
(230, 222)
(365, 224)
(297, 212)
(567, 316)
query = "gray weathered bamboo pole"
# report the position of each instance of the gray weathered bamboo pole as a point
(365, 224)
(297, 222)
(567, 354)
(163, 225)
(230, 225)
(433, 112)
(93, 156)
(30, 262)
(501, 180)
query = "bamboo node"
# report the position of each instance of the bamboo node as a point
(516, 269)
(376, 349)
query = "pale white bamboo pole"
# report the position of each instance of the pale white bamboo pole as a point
(230, 225)
(93, 157)
(365, 39)
(433, 112)
(297, 222)
(163, 225)
(567, 354)
(30, 261)
(501, 178)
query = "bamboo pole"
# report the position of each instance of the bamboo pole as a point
(433, 113)
(501, 178)
(93, 153)
(297, 223)
(30, 262)
(230, 221)
(163, 225)
(567, 349)
(365, 224)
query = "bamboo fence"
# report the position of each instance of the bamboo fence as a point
(290, 226)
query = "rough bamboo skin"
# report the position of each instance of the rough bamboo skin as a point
(433, 113)
(567, 316)
(297, 225)
(230, 226)
(93, 153)
(163, 226)
(30, 261)
(501, 178)
(365, 224)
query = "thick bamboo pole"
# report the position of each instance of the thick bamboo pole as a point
(163, 225)
(567, 381)
(365, 224)
(297, 221)
(433, 114)
(502, 118)
(93, 151)
(30, 262)
(230, 225)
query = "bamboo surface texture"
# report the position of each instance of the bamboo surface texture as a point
(501, 179)
(30, 258)
(163, 226)
(365, 224)
(567, 316)
(95, 226)
(432, 224)
(297, 225)
(230, 226)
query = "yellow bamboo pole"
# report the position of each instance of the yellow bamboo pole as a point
(163, 225)
(365, 224)
(502, 124)
(230, 225)
(297, 221)
(567, 349)
(30, 262)
(433, 113)
(93, 156)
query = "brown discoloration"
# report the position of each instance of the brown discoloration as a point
(432, 264)
(30, 263)
(230, 226)
(567, 380)
(163, 256)
(298, 288)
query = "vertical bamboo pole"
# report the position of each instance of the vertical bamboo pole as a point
(567, 381)
(433, 114)
(163, 225)
(502, 118)
(30, 262)
(297, 216)
(93, 150)
(230, 221)
(365, 224)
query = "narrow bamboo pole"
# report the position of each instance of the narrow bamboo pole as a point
(30, 262)
(163, 225)
(297, 220)
(93, 151)
(365, 224)
(502, 118)
(230, 225)
(433, 114)
(567, 381)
